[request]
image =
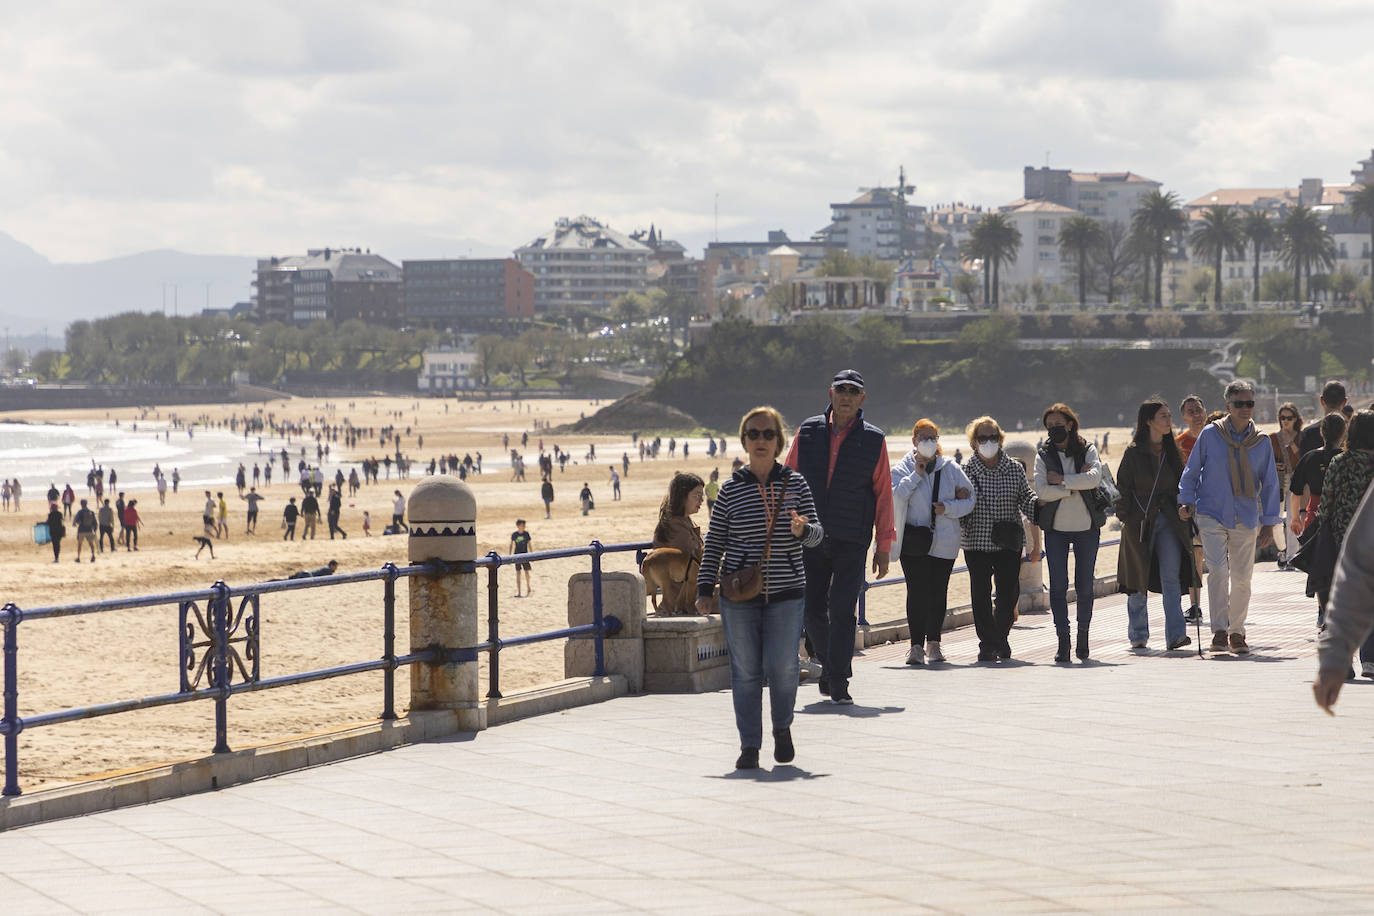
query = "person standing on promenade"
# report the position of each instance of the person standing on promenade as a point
(86, 524)
(993, 537)
(1067, 474)
(1347, 480)
(843, 458)
(1350, 611)
(288, 519)
(1333, 399)
(761, 522)
(1230, 484)
(930, 494)
(1156, 552)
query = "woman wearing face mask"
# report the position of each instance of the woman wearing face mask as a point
(1067, 472)
(929, 540)
(1156, 553)
(992, 536)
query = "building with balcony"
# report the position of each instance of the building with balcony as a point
(583, 265)
(467, 294)
(447, 370)
(878, 223)
(328, 284)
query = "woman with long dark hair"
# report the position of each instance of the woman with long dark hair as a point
(678, 544)
(1067, 472)
(1286, 455)
(1156, 552)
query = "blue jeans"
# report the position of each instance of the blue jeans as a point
(1168, 553)
(1084, 562)
(762, 640)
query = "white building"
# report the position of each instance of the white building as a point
(1039, 222)
(1106, 196)
(583, 264)
(447, 370)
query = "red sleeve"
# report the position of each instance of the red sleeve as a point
(791, 459)
(882, 492)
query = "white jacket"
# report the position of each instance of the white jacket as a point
(1072, 514)
(911, 503)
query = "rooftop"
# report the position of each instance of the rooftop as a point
(584, 232)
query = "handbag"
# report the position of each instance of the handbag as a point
(1008, 535)
(918, 539)
(745, 583)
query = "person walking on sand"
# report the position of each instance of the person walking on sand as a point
(843, 459)
(86, 524)
(586, 498)
(288, 519)
(520, 543)
(222, 517)
(132, 521)
(57, 530)
(546, 494)
(335, 508)
(398, 513)
(367, 524)
(68, 500)
(1230, 484)
(161, 490)
(615, 484)
(310, 515)
(252, 497)
(105, 519)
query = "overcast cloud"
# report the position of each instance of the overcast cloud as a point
(413, 128)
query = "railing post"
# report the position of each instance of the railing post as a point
(12, 724)
(219, 671)
(494, 626)
(389, 641)
(600, 647)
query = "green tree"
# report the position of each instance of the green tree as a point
(1164, 324)
(996, 241)
(1260, 232)
(1218, 234)
(1114, 260)
(1344, 283)
(1078, 236)
(1306, 243)
(1152, 228)
(47, 364)
(966, 285)
(15, 360)
(1275, 286)
(488, 358)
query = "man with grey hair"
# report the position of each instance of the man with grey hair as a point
(1232, 486)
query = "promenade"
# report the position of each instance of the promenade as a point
(1133, 782)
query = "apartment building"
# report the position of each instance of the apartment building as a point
(1039, 222)
(878, 223)
(1106, 196)
(583, 264)
(465, 294)
(328, 284)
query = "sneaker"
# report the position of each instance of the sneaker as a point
(1219, 641)
(915, 656)
(809, 668)
(1238, 644)
(748, 759)
(1367, 669)
(783, 749)
(839, 692)
(1180, 642)
(933, 653)
(987, 655)
(1138, 644)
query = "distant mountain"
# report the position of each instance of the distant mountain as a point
(15, 255)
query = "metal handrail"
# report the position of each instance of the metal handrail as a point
(210, 640)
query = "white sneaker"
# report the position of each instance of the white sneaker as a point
(933, 653)
(915, 656)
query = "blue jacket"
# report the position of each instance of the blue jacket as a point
(1206, 481)
(911, 503)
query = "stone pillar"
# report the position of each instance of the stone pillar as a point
(1033, 573)
(444, 609)
(622, 597)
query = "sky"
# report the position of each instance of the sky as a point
(433, 129)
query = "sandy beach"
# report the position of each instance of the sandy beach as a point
(92, 659)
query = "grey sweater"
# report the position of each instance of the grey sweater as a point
(1350, 611)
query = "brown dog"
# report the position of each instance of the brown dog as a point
(675, 573)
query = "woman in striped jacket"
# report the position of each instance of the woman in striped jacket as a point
(761, 632)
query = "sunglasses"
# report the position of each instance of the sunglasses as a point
(1284, 418)
(755, 434)
(986, 439)
(1243, 404)
(848, 389)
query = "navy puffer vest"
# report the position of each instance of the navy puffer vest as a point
(847, 506)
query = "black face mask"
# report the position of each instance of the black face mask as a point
(1059, 434)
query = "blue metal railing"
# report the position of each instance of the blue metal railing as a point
(216, 641)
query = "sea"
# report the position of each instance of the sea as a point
(39, 454)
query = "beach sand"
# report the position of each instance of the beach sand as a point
(80, 661)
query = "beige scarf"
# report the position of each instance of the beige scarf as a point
(1242, 475)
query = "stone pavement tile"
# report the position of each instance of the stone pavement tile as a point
(378, 894)
(498, 892)
(18, 898)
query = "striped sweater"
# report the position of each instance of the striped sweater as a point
(739, 532)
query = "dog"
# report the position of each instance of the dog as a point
(675, 573)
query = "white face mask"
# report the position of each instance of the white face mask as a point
(989, 450)
(926, 448)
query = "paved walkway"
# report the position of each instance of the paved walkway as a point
(1155, 782)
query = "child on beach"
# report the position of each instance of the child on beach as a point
(367, 524)
(204, 543)
(520, 543)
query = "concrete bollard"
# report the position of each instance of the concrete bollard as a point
(1032, 573)
(443, 609)
(622, 597)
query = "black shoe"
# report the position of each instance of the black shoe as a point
(1005, 651)
(783, 751)
(824, 686)
(1082, 651)
(839, 692)
(987, 655)
(1063, 654)
(748, 759)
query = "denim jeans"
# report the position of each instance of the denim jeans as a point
(834, 575)
(1084, 561)
(1168, 553)
(762, 639)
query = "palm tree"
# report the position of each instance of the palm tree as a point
(1362, 204)
(1081, 234)
(1158, 216)
(1218, 234)
(996, 241)
(1305, 243)
(1260, 233)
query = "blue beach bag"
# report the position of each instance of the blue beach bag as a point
(41, 534)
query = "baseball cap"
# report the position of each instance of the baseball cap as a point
(848, 377)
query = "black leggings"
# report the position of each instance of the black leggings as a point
(927, 595)
(993, 622)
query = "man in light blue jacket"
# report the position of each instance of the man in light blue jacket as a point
(1232, 487)
(927, 558)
